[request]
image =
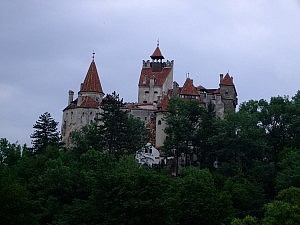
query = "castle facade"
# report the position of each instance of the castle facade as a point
(155, 87)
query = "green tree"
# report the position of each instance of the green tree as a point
(45, 133)
(289, 170)
(9, 153)
(89, 137)
(285, 210)
(122, 133)
(181, 118)
(16, 206)
(247, 196)
(197, 201)
(248, 220)
(238, 142)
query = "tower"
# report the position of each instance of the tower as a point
(156, 78)
(86, 107)
(228, 93)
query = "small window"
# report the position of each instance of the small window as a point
(155, 92)
(146, 92)
(144, 101)
(159, 122)
(145, 118)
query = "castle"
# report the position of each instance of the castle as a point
(155, 87)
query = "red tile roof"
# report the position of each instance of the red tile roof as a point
(88, 102)
(92, 82)
(227, 80)
(72, 105)
(157, 54)
(188, 88)
(201, 88)
(160, 77)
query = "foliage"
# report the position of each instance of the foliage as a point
(45, 133)
(285, 210)
(118, 132)
(248, 220)
(9, 153)
(289, 170)
(256, 180)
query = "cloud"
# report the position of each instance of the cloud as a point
(46, 49)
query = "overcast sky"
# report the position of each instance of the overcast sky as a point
(46, 48)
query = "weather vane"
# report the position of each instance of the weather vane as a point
(158, 42)
(93, 55)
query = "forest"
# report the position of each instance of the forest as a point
(247, 170)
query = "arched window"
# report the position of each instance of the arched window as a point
(159, 122)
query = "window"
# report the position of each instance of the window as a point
(146, 92)
(159, 122)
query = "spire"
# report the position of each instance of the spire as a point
(92, 82)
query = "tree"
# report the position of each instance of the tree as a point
(285, 210)
(89, 137)
(9, 153)
(289, 170)
(45, 133)
(122, 133)
(247, 196)
(248, 220)
(184, 119)
(238, 141)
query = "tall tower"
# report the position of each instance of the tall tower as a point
(228, 93)
(156, 78)
(86, 107)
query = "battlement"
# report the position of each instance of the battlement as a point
(148, 63)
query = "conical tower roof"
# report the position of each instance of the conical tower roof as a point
(157, 54)
(92, 82)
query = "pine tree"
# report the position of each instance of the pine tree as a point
(45, 133)
(122, 133)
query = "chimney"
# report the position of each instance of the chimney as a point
(71, 95)
(221, 77)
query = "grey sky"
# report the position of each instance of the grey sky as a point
(46, 48)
